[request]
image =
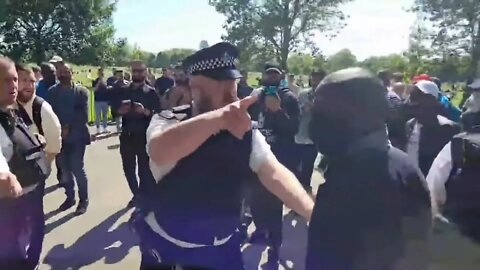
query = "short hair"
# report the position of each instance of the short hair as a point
(291, 75)
(21, 67)
(118, 71)
(6, 62)
(35, 69)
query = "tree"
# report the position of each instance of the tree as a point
(203, 44)
(35, 29)
(457, 25)
(284, 26)
(393, 62)
(342, 59)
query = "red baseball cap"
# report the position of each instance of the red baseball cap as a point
(421, 77)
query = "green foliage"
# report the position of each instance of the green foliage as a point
(37, 29)
(456, 27)
(340, 60)
(203, 44)
(281, 26)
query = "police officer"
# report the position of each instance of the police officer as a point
(199, 162)
(453, 177)
(23, 171)
(139, 102)
(371, 188)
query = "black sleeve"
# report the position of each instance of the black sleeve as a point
(153, 101)
(94, 82)
(287, 119)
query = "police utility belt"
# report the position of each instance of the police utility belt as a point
(28, 162)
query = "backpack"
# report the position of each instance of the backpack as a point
(36, 114)
(28, 161)
(463, 186)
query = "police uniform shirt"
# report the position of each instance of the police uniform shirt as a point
(260, 153)
(6, 150)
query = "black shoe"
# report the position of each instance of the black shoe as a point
(67, 204)
(132, 203)
(82, 208)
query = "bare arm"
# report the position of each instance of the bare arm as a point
(169, 144)
(283, 184)
(278, 179)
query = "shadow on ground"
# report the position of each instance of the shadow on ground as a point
(292, 252)
(99, 243)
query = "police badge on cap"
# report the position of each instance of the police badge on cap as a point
(216, 62)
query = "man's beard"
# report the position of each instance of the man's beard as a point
(24, 97)
(205, 104)
(138, 79)
(64, 80)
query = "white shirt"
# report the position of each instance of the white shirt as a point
(260, 153)
(50, 124)
(439, 173)
(413, 145)
(6, 150)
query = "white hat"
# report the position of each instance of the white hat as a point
(475, 84)
(56, 59)
(428, 87)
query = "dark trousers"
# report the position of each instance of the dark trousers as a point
(19, 220)
(267, 210)
(71, 160)
(38, 226)
(59, 170)
(307, 153)
(133, 151)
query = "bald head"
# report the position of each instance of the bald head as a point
(8, 82)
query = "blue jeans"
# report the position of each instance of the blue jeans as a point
(71, 161)
(101, 113)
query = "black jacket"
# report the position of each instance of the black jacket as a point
(133, 123)
(281, 126)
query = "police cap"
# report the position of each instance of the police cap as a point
(216, 62)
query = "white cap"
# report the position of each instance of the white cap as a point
(475, 84)
(56, 59)
(428, 87)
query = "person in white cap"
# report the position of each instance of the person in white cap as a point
(428, 131)
(473, 102)
(56, 61)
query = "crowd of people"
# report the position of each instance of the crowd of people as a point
(205, 155)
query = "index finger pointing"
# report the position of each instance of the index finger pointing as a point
(247, 102)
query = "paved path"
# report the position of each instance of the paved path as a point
(101, 238)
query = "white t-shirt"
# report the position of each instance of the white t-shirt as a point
(260, 153)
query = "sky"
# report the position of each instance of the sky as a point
(374, 28)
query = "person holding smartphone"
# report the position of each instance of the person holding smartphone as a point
(277, 114)
(138, 103)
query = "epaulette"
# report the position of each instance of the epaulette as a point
(173, 114)
(181, 108)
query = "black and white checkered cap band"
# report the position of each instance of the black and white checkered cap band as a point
(214, 63)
